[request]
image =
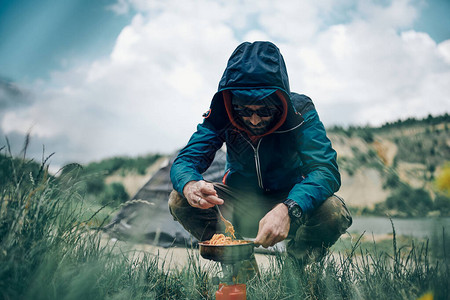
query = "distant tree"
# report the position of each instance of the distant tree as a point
(95, 185)
(367, 135)
(114, 193)
(442, 204)
(431, 168)
(372, 153)
(432, 151)
(395, 162)
(392, 181)
(118, 192)
(409, 201)
(419, 145)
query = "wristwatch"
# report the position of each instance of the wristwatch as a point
(294, 210)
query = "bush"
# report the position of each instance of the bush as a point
(392, 181)
(367, 135)
(442, 204)
(409, 201)
(114, 193)
(95, 185)
(94, 174)
(443, 180)
(14, 169)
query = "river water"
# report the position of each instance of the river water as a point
(415, 227)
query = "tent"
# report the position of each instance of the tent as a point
(146, 217)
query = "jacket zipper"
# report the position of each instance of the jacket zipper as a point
(257, 163)
(256, 151)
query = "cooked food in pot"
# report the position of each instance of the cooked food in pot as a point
(220, 239)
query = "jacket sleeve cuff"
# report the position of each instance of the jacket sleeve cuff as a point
(179, 185)
(303, 200)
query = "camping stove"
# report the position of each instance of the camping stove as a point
(230, 257)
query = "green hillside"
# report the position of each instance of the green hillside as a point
(96, 174)
(393, 169)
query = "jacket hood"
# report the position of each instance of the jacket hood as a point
(257, 65)
(254, 71)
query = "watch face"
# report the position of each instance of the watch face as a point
(296, 211)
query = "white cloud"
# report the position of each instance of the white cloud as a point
(364, 73)
(121, 7)
(150, 92)
(397, 14)
(444, 51)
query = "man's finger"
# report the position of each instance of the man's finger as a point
(197, 200)
(213, 199)
(265, 243)
(208, 188)
(208, 191)
(259, 236)
(262, 239)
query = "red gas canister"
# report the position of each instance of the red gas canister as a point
(231, 292)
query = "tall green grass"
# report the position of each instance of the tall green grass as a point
(49, 250)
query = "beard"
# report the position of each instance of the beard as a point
(259, 129)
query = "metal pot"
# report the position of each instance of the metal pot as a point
(228, 254)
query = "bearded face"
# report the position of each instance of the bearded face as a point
(257, 118)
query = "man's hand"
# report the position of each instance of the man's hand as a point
(274, 226)
(201, 194)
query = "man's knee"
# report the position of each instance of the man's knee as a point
(201, 223)
(321, 230)
(176, 204)
(176, 200)
(336, 214)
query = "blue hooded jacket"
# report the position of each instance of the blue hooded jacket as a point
(294, 154)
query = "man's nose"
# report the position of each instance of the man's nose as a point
(255, 119)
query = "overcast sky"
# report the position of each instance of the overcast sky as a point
(95, 79)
